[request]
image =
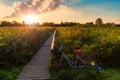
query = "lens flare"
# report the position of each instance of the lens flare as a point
(30, 19)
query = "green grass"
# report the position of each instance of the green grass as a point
(101, 42)
(17, 46)
(9, 74)
(72, 74)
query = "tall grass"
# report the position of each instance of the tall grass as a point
(18, 45)
(100, 42)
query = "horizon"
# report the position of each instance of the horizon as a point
(81, 11)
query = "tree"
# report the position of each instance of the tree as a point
(110, 25)
(6, 23)
(89, 24)
(48, 24)
(15, 23)
(98, 22)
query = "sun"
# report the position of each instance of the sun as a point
(30, 19)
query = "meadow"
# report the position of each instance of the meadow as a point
(17, 46)
(103, 43)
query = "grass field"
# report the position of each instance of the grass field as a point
(17, 46)
(103, 43)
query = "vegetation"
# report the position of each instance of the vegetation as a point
(101, 40)
(98, 22)
(17, 46)
(103, 43)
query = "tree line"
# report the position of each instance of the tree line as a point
(98, 22)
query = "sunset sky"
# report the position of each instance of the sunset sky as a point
(61, 10)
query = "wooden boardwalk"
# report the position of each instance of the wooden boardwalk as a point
(37, 68)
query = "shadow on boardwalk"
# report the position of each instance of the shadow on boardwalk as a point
(37, 68)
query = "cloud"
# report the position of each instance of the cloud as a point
(57, 11)
(35, 7)
(72, 2)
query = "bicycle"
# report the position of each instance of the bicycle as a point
(82, 60)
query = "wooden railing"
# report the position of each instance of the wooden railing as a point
(53, 41)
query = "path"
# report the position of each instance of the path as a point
(37, 68)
